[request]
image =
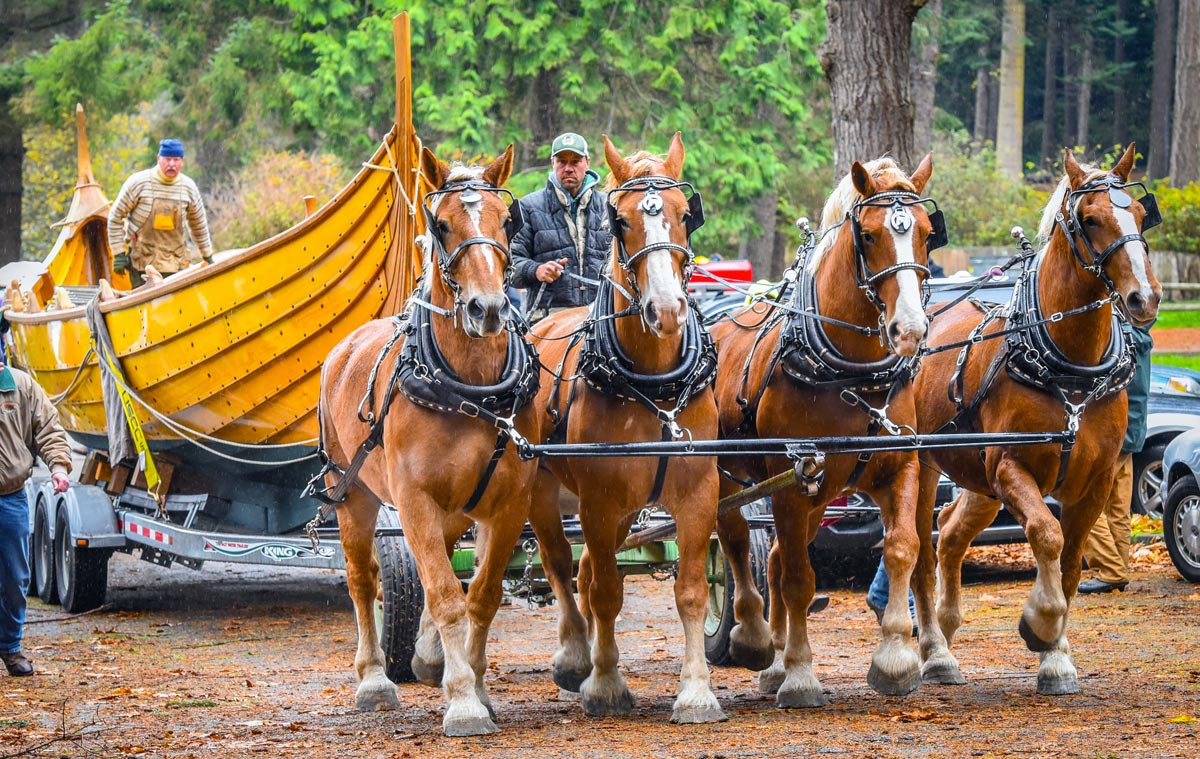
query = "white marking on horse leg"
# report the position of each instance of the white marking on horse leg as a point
(1046, 608)
(1135, 250)
(1056, 673)
(800, 688)
(938, 665)
(428, 657)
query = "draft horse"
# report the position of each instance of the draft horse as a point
(836, 359)
(637, 366)
(439, 390)
(1048, 373)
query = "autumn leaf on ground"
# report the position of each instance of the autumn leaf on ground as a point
(1184, 718)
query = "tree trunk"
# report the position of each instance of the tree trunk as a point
(1119, 137)
(1070, 87)
(760, 249)
(982, 80)
(924, 76)
(1050, 89)
(1010, 117)
(12, 153)
(866, 60)
(1083, 111)
(543, 121)
(1162, 94)
(1185, 132)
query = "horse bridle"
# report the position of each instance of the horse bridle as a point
(652, 188)
(469, 190)
(901, 220)
(1068, 219)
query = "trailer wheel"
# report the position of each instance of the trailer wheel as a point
(398, 614)
(82, 572)
(720, 621)
(42, 557)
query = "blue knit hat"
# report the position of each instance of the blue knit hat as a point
(170, 149)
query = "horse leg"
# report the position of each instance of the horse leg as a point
(356, 524)
(1044, 618)
(694, 520)
(750, 639)
(572, 662)
(958, 524)
(895, 669)
(497, 537)
(428, 657)
(604, 692)
(800, 686)
(772, 677)
(938, 664)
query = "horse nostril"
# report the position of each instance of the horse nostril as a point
(651, 313)
(894, 331)
(476, 310)
(1135, 302)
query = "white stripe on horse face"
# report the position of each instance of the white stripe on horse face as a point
(909, 311)
(1134, 249)
(660, 270)
(475, 212)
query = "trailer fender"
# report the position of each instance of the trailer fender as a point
(89, 511)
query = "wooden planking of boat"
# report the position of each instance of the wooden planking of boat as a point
(232, 351)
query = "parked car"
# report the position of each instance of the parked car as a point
(1181, 507)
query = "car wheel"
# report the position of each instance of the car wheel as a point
(1148, 480)
(1181, 527)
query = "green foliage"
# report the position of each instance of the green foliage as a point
(1180, 207)
(50, 171)
(1173, 319)
(981, 204)
(266, 197)
(1178, 359)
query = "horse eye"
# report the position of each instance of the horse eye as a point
(1091, 222)
(867, 238)
(443, 227)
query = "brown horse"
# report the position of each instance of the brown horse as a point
(642, 373)
(790, 375)
(1095, 254)
(461, 372)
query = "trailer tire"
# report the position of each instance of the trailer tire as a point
(399, 612)
(41, 558)
(720, 620)
(82, 572)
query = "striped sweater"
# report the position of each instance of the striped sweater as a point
(136, 198)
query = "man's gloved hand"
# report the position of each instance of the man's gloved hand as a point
(61, 483)
(121, 263)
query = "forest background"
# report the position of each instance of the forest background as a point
(276, 99)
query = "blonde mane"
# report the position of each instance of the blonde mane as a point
(1046, 227)
(643, 163)
(884, 170)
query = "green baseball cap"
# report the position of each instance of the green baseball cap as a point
(569, 142)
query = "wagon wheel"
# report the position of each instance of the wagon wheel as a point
(398, 614)
(82, 573)
(43, 556)
(720, 621)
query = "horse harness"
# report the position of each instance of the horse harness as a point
(422, 374)
(807, 355)
(605, 367)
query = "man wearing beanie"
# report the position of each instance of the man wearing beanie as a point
(146, 222)
(563, 243)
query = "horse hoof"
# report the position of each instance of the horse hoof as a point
(376, 697)
(749, 654)
(569, 679)
(694, 715)
(605, 702)
(465, 725)
(770, 680)
(1032, 641)
(942, 673)
(893, 686)
(1057, 686)
(801, 698)
(428, 673)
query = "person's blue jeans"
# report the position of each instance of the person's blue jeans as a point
(14, 568)
(877, 594)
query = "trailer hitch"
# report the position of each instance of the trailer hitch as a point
(809, 465)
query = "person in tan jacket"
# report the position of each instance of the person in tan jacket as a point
(28, 428)
(152, 215)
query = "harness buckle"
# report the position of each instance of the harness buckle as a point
(1074, 415)
(467, 408)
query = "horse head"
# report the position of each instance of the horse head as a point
(469, 224)
(890, 232)
(652, 219)
(1103, 221)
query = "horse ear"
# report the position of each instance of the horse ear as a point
(921, 176)
(434, 170)
(498, 171)
(861, 179)
(1075, 175)
(616, 164)
(673, 166)
(1124, 166)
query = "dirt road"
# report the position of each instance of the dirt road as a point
(232, 662)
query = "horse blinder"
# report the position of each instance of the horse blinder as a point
(938, 236)
(516, 220)
(695, 214)
(1153, 216)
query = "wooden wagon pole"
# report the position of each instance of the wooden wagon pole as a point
(724, 506)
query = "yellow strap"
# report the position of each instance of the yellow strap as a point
(135, 430)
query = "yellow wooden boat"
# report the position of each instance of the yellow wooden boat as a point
(231, 351)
